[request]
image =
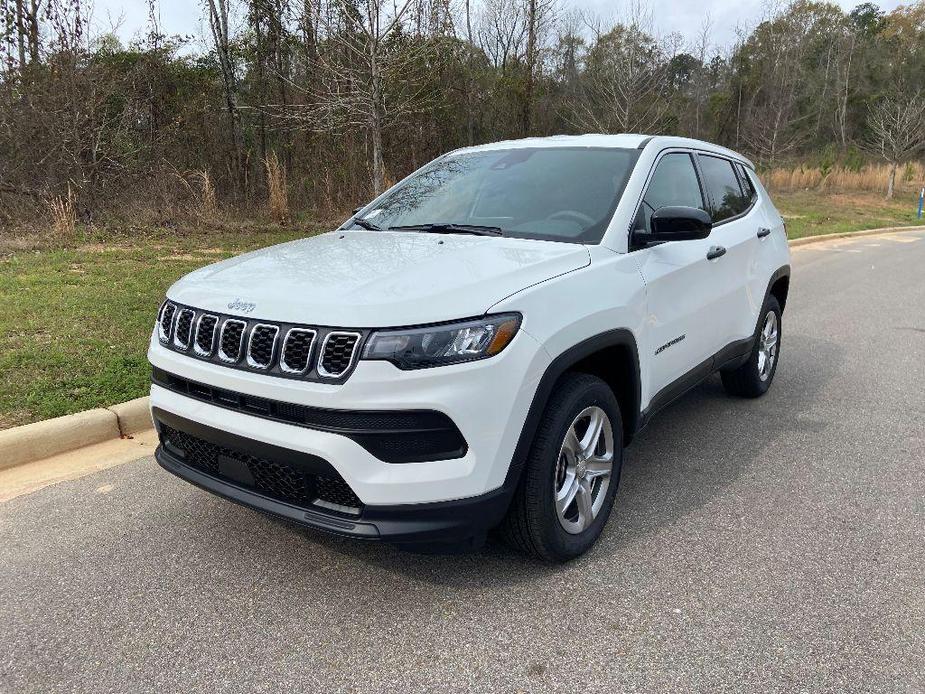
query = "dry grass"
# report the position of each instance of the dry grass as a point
(870, 178)
(63, 214)
(277, 192)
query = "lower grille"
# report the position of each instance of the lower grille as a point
(272, 478)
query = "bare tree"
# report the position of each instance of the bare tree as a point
(897, 125)
(218, 22)
(367, 77)
(539, 14)
(626, 78)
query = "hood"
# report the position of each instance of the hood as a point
(371, 279)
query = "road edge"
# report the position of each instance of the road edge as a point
(819, 238)
(40, 440)
(33, 442)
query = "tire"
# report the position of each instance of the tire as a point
(533, 523)
(753, 378)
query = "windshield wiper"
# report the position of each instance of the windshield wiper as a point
(366, 224)
(447, 228)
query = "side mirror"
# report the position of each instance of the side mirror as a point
(357, 210)
(677, 224)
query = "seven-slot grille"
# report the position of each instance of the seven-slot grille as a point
(279, 349)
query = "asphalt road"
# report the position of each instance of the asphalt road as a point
(769, 545)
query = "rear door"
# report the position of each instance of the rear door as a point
(736, 224)
(681, 292)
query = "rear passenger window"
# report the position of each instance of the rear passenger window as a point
(723, 185)
(673, 183)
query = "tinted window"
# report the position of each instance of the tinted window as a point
(723, 185)
(747, 184)
(673, 183)
(558, 193)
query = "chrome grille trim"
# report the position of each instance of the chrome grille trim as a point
(323, 372)
(162, 334)
(273, 348)
(178, 342)
(250, 341)
(308, 359)
(227, 358)
(196, 348)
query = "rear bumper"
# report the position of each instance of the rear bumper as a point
(446, 521)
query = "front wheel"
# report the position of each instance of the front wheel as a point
(568, 485)
(754, 377)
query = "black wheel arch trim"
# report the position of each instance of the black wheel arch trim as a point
(620, 337)
(782, 271)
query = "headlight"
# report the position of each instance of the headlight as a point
(438, 345)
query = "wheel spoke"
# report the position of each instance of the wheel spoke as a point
(589, 441)
(599, 465)
(566, 495)
(585, 504)
(571, 446)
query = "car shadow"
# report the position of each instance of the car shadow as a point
(693, 450)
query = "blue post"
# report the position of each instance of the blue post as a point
(921, 202)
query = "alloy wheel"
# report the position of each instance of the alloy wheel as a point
(767, 346)
(584, 469)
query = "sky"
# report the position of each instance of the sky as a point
(686, 17)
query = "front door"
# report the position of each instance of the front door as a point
(682, 295)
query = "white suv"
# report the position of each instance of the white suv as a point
(476, 346)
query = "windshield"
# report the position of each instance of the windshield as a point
(554, 193)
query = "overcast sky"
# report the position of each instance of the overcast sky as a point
(682, 16)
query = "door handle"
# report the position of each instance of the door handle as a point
(715, 252)
(763, 231)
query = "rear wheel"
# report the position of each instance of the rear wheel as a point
(568, 485)
(754, 377)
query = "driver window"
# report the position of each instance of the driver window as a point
(673, 183)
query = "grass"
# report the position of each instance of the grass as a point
(75, 321)
(809, 213)
(77, 315)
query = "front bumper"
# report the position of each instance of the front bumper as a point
(450, 521)
(487, 400)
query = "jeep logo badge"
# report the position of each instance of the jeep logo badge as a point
(242, 306)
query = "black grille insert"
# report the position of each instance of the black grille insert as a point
(205, 335)
(232, 339)
(277, 479)
(261, 346)
(297, 350)
(338, 353)
(184, 329)
(166, 321)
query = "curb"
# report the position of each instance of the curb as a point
(806, 240)
(40, 440)
(32, 442)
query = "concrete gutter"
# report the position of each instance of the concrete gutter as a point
(41, 440)
(32, 442)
